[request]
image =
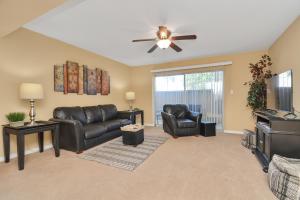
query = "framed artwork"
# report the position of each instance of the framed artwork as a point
(92, 82)
(80, 80)
(65, 79)
(105, 83)
(58, 78)
(98, 75)
(74, 78)
(85, 82)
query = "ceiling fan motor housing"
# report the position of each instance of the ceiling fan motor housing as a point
(163, 33)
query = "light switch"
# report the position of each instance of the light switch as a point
(231, 91)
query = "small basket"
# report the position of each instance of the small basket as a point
(249, 139)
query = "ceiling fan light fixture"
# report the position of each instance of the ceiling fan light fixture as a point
(164, 44)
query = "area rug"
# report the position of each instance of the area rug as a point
(115, 153)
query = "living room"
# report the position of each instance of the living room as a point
(39, 38)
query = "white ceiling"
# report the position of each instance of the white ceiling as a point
(222, 26)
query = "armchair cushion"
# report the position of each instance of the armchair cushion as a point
(195, 116)
(186, 123)
(93, 114)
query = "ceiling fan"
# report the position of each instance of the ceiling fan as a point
(165, 40)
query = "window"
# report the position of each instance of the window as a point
(201, 92)
(170, 83)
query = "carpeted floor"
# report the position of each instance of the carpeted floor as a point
(185, 168)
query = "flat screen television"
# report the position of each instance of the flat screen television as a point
(280, 92)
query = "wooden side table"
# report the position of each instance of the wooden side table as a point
(135, 113)
(21, 131)
(208, 129)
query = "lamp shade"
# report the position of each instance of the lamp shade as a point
(130, 95)
(31, 91)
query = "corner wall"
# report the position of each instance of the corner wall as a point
(285, 53)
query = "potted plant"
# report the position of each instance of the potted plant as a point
(16, 119)
(257, 94)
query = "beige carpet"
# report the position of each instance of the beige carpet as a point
(184, 168)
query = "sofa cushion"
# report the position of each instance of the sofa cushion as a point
(109, 111)
(178, 110)
(93, 114)
(186, 123)
(94, 130)
(112, 124)
(71, 113)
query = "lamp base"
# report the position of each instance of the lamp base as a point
(32, 113)
(32, 123)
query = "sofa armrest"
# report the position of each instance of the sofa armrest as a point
(195, 116)
(125, 115)
(71, 134)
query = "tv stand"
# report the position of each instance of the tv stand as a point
(276, 135)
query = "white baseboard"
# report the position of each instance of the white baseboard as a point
(233, 132)
(30, 151)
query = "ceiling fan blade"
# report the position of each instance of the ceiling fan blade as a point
(175, 47)
(144, 40)
(184, 37)
(153, 48)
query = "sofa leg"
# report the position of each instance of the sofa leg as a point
(175, 137)
(79, 152)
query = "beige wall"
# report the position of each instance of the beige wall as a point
(236, 115)
(285, 53)
(15, 13)
(26, 56)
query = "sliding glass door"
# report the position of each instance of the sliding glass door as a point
(201, 92)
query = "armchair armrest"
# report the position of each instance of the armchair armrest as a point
(195, 116)
(71, 134)
(170, 120)
(125, 115)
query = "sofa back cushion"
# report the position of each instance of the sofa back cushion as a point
(178, 110)
(93, 114)
(71, 113)
(109, 111)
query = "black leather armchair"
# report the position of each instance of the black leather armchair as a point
(85, 127)
(179, 121)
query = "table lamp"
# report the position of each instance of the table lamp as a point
(130, 96)
(31, 92)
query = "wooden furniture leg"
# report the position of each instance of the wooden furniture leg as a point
(20, 149)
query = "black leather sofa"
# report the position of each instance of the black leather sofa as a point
(179, 121)
(85, 127)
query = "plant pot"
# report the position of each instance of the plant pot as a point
(16, 124)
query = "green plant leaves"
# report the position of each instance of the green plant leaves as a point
(257, 94)
(15, 116)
